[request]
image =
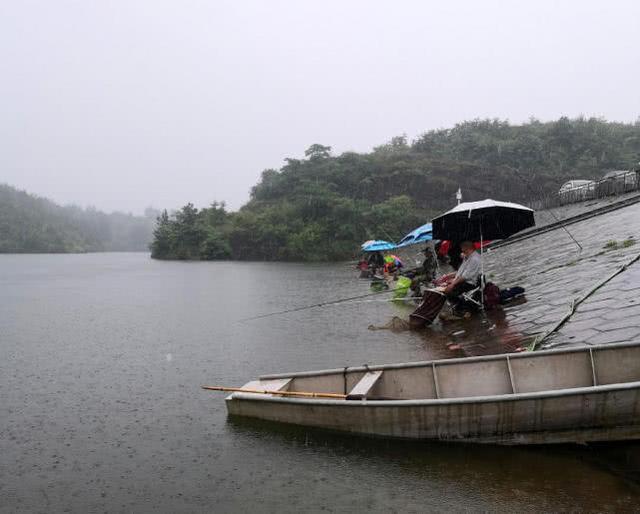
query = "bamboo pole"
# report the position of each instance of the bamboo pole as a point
(282, 393)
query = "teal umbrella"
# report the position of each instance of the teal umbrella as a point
(419, 235)
(377, 245)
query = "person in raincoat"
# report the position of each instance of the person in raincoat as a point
(392, 263)
(429, 265)
(426, 273)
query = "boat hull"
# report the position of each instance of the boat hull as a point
(590, 414)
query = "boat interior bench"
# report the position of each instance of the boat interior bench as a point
(365, 385)
(275, 384)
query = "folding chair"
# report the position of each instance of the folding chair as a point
(475, 296)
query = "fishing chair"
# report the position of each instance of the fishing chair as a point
(475, 297)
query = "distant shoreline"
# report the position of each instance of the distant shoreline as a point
(75, 253)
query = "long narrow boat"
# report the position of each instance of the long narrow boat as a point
(581, 394)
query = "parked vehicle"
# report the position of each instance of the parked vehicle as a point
(617, 182)
(577, 191)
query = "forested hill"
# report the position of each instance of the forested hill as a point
(30, 224)
(323, 206)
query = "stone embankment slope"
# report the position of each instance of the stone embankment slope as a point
(555, 272)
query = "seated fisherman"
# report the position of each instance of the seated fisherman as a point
(429, 265)
(375, 261)
(467, 276)
(425, 273)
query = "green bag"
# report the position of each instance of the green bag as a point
(402, 287)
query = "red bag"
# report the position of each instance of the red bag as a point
(491, 296)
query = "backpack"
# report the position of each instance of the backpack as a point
(506, 295)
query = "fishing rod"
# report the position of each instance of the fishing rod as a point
(321, 304)
(539, 193)
(389, 300)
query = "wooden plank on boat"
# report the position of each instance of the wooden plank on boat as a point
(277, 384)
(364, 386)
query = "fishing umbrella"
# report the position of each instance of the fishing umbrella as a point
(479, 221)
(419, 235)
(377, 245)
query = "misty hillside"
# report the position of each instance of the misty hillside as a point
(323, 206)
(30, 224)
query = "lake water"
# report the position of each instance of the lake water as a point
(102, 356)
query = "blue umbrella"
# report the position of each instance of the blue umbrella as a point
(419, 235)
(376, 245)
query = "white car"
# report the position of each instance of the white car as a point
(577, 190)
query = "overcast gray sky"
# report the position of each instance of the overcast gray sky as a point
(131, 103)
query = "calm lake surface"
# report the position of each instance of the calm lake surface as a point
(102, 356)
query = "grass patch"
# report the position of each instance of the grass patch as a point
(616, 245)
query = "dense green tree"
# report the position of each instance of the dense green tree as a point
(316, 151)
(163, 237)
(214, 246)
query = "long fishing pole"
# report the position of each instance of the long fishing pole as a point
(321, 304)
(389, 300)
(550, 211)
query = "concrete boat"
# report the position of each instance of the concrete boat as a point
(574, 395)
